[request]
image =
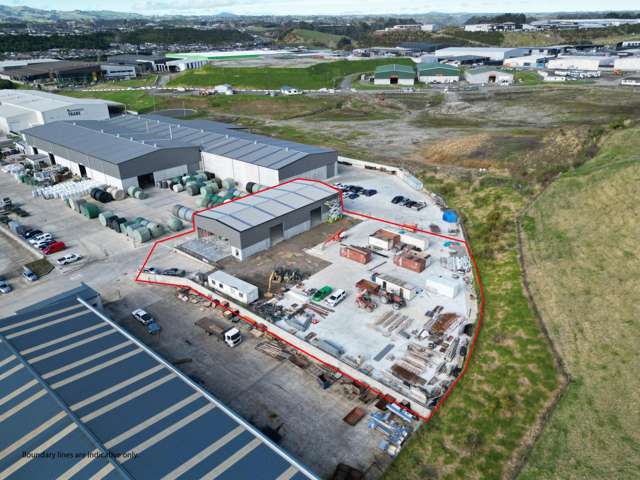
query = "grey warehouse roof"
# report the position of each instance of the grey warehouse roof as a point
(87, 138)
(79, 397)
(268, 204)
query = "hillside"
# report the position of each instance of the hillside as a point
(317, 76)
(312, 38)
(582, 260)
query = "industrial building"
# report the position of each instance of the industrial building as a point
(118, 72)
(528, 61)
(132, 150)
(58, 72)
(143, 63)
(627, 64)
(90, 400)
(438, 73)
(89, 151)
(258, 222)
(580, 62)
(631, 81)
(226, 54)
(21, 109)
(488, 75)
(495, 54)
(394, 75)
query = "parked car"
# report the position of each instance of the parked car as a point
(369, 193)
(43, 244)
(397, 199)
(405, 201)
(39, 238)
(411, 204)
(152, 270)
(356, 189)
(29, 275)
(352, 196)
(153, 328)
(4, 286)
(322, 293)
(174, 272)
(31, 233)
(67, 259)
(54, 247)
(336, 297)
(142, 316)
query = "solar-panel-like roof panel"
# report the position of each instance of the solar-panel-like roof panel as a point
(71, 381)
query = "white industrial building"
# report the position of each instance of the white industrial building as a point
(631, 81)
(528, 61)
(447, 287)
(580, 62)
(488, 75)
(627, 64)
(496, 54)
(22, 109)
(118, 72)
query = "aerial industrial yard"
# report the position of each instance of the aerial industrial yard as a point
(370, 260)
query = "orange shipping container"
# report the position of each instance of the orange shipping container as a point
(356, 254)
(410, 261)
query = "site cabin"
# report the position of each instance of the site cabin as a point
(239, 290)
(447, 287)
(384, 239)
(396, 286)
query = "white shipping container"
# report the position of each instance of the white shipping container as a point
(447, 287)
(419, 241)
(235, 288)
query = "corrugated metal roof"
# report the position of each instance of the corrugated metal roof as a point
(263, 206)
(438, 67)
(79, 396)
(394, 68)
(212, 137)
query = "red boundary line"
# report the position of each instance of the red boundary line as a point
(263, 328)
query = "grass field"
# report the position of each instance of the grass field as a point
(300, 36)
(134, 82)
(582, 259)
(321, 75)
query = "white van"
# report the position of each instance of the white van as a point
(336, 297)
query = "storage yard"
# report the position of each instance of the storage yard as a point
(107, 224)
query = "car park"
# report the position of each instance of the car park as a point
(4, 286)
(142, 316)
(68, 259)
(54, 247)
(29, 275)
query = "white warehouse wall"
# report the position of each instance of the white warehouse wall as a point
(87, 111)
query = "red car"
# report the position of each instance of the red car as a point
(53, 248)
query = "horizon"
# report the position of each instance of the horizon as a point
(319, 7)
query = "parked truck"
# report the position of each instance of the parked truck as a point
(212, 326)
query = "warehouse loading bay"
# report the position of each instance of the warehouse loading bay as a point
(293, 399)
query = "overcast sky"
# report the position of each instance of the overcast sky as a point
(311, 7)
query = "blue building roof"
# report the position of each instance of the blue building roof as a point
(82, 398)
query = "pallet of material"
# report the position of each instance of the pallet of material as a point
(354, 416)
(406, 375)
(443, 322)
(273, 349)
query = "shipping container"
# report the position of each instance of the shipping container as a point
(356, 254)
(384, 239)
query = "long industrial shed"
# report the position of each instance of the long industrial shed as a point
(81, 398)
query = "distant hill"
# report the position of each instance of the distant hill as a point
(10, 14)
(312, 38)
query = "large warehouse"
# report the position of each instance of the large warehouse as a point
(627, 64)
(114, 159)
(140, 150)
(86, 399)
(258, 222)
(59, 72)
(495, 54)
(580, 62)
(21, 109)
(394, 75)
(438, 73)
(488, 75)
